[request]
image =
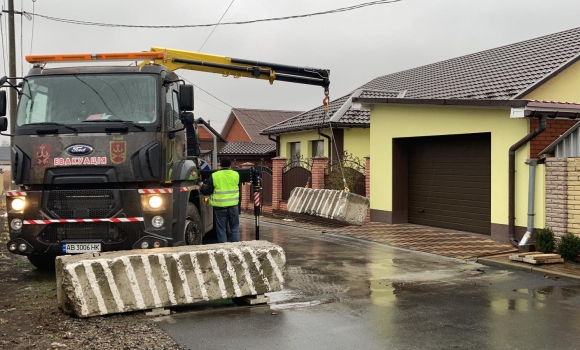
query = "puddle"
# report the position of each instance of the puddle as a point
(551, 292)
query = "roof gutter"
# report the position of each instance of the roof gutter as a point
(512, 177)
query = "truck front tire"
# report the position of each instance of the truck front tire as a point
(42, 262)
(193, 234)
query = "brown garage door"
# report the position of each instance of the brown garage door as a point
(450, 182)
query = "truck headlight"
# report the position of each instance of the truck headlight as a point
(157, 221)
(155, 202)
(18, 204)
(16, 224)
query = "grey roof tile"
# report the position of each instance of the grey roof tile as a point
(249, 148)
(499, 74)
(255, 120)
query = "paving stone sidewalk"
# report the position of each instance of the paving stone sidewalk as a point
(449, 243)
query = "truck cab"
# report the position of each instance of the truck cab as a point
(105, 158)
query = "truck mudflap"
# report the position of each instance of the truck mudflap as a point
(58, 222)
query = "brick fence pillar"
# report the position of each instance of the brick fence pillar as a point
(556, 195)
(246, 191)
(319, 165)
(571, 200)
(278, 164)
(368, 184)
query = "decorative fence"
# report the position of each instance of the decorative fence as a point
(278, 181)
(353, 170)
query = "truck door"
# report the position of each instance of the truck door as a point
(175, 147)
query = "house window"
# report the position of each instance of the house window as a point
(318, 148)
(295, 152)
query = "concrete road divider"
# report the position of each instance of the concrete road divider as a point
(331, 204)
(115, 282)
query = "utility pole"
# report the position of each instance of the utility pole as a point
(11, 67)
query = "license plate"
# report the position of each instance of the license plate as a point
(79, 248)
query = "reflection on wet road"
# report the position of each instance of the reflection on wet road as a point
(343, 293)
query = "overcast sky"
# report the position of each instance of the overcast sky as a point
(356, 46)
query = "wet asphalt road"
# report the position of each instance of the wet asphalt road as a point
(343, 293)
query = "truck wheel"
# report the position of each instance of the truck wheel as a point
(42, 262)
(193, 234)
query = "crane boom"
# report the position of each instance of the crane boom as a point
(236, 67)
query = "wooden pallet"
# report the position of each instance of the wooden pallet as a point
(537, 258)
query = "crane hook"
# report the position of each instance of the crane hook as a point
(325, 100)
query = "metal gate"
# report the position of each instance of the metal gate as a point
(296, 174)
(266, 194)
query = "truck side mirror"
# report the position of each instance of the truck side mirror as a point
(3, 103)
(3, 123)
(186, 97)
(187, 118)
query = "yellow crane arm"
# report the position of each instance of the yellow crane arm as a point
(227, 66)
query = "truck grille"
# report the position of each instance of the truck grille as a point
(86, 203)
(106, 231)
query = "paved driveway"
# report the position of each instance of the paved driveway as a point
(345, 293)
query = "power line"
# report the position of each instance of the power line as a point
(214, 106)
(3, 50)
(197, 86)
(32, 34)
(226, 11)
(327, 12)
(21, 40)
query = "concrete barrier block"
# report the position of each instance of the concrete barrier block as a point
(331, 204)
(116, 282)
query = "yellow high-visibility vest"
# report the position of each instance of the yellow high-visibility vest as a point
(226, 191)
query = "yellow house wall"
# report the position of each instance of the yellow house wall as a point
(391, 121)
(305, 139)
(564, 87)
(356, 142)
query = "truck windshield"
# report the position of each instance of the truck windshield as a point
(74, 99)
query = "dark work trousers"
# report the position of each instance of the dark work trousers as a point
(230, 215)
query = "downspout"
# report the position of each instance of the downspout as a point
(277, 140)
(329, 143)
(512, 177)
(531, 196)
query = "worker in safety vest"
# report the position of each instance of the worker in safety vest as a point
(223, 188)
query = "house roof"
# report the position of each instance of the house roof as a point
(255, 120)
(564, 138)
(201, 122)
(247, 148)
(502, 73)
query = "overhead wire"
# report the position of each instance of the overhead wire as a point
(197, 86)
(21, 40)
(283, 18)
(206, 39)
(32, 32)
(3, 49)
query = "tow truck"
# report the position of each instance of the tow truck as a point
(107, 157)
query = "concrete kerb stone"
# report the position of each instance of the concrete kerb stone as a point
(533, 269)
(331, 204)
(124, 281)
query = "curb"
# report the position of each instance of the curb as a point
(531, 269)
